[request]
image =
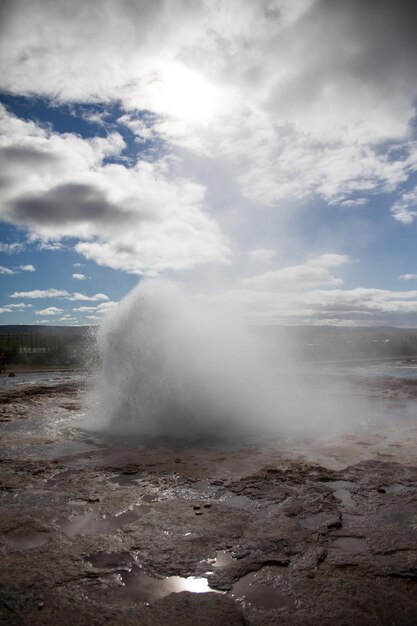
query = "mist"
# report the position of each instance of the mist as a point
(173, 366)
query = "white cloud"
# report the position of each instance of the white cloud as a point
(11, 248)
(141, 218)
(329, 260)
(26, 268)
(407, 277)
(6, 271)
(51, 245)
(360, 306)
(15, 308)
(405, 209)
(41, 293)
(311, 275)
(100, 308)
(59, 293)
(52, 310)
(292, 96)
(81, 296)
(19, 305)
(262, 255)
(79, 276)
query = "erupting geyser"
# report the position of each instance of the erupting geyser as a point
(171, 366)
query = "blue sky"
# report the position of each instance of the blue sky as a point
(229, 158)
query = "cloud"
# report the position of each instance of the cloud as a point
(15, 308)
(140, 218)
(79, 276)
(312, 97)
(329, 260)
(59, 293)
(407, 277)
(311, 275)
(51, 245)
(262, 255)
(360, 306)
(100, 308)
(26, 268)
(405, 209)
(20, 305)
(81, 296)
(52, 310)
(11, 248)
(6, 271)
(41, 293)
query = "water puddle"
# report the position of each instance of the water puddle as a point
(93, 522)
(394, 488)
(354, 545)
(222, 559)
(261, 595)
(114, 560)
(136, 587)
(314, 521)
(22, 539)
(344, 496)
(125, 479)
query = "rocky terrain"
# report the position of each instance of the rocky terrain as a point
(99, 530)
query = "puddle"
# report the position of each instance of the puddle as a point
(25, 539)
(137, 587)
(344, 496)
(93, 522)
(114, 560)
(340, 484)
(314, 521)
(394, 488)
(354, 545)
(341, 491)
(222, 559)
(250, 589)
(125, 480)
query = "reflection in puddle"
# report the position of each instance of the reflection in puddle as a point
(345, 498)
(25, 539)
(249, 589)
(354, 545)
(341, 491)
(223, 559)
(125, 479)
(138, 587)
(94, 522)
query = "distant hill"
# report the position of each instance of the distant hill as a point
(62, 331)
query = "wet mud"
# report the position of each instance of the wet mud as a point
(98, 530)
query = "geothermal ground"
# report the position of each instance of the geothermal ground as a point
(103, 530)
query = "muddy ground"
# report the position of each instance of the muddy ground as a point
(97, 530)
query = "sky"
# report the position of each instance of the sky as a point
(260, 153)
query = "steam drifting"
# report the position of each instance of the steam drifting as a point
(173, 367)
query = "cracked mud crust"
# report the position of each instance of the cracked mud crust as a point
(98, 530)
